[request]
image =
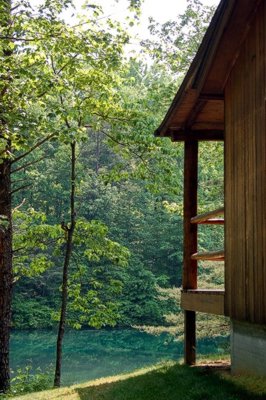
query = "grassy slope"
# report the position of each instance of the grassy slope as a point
(166, 381)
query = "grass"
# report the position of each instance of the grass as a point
(170, 381)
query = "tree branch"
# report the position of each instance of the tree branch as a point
(140, 156)
(27, 165)
(19, 249)
(67, 63)
(19, 188)
(38, 144)
(20, 205)
(63, 105)
(111, 118)
(16, 39)
(14, 8)
(20, 180)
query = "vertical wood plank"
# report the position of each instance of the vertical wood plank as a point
(190, 242)
(235, 195)
(250, 172)
(260, 164)
(228, 167)
(258, 130)
(262, 181)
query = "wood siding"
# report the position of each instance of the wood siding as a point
(245, 178)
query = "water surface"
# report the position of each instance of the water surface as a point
(90, 354)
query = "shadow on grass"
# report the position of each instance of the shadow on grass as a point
(174, 383)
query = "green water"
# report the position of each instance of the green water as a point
(92, 354)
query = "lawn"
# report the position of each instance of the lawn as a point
(169, 381)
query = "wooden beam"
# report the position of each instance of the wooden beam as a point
(211, 96)
(212, 221)
(200, 104)
(196, 135)
(209, 256)
(207, 301)
(190, 243)
(208, 125)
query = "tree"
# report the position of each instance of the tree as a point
(84, 63)
(69, 232)
(28, 39)
(23, 127)
(5, 205)
(174, 43)
(69, 83)
(98, 248)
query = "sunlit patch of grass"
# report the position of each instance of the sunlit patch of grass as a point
(169, 381)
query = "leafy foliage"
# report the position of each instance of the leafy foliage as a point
(72, 83)
(175, 43)
(28, 380)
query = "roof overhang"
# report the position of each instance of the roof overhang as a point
(197, 110)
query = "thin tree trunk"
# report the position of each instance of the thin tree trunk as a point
(69, 244)
(5, 272)
(97, 166)
(5, 224)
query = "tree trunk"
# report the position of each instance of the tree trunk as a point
(5, 272)
(69, 244)
(5, 218)
(97, 166)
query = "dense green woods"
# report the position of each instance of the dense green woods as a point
(136, 219)
(148, 225)
(72, 85)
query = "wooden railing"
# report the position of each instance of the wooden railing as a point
(209, 256)
(205, 300)
(209, 217)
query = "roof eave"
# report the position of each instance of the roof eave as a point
(194, 78)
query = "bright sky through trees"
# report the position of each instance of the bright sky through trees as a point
(160, 10)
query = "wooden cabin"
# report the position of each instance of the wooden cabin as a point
(223, 98)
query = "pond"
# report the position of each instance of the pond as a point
(90, 354)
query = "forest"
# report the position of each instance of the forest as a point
(91, 201)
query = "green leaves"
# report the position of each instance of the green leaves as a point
(70, 83)
(175, 43)
(33, 239)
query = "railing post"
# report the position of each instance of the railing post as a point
(190, 242)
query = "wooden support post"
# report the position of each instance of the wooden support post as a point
(190, 338)
(190, 242)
